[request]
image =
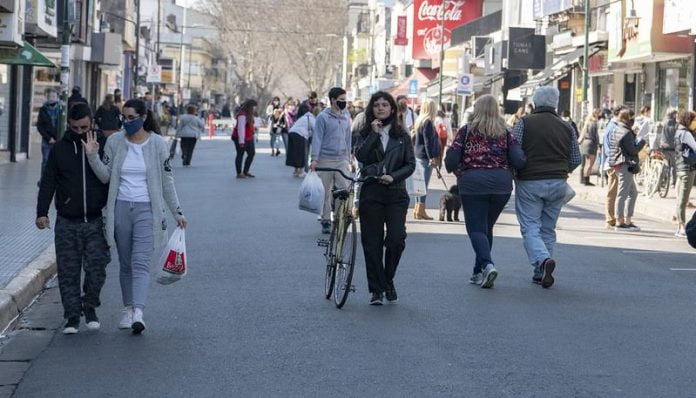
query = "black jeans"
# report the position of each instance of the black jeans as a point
(250, 149)
(480, 214)
(187, 146)
(380, 205)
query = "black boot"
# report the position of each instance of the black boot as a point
(588, 183)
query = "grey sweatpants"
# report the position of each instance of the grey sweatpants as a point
(135, 244)
(627, 193)
(332, 180)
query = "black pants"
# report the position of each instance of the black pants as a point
(80, 246)
(481, 213)
(250, 150)
(187, 146)
(380, 206)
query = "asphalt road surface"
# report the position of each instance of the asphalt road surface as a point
(250, 318)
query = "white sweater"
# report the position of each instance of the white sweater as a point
(304, 126)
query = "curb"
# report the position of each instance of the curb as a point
(643, 207)
(23, 288)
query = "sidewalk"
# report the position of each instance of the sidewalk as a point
(655, 207)
(27, 260)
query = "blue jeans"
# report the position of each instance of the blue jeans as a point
(274, 142)
(45, 151)
(480, 214)
(538, 204)
(427, 173)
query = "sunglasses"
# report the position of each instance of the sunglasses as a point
(129, 118)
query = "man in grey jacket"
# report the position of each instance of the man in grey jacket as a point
(331, 148)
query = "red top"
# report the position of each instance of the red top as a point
(244, 125)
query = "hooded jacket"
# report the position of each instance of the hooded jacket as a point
(79, 194)
(332, 136)
(46, 125)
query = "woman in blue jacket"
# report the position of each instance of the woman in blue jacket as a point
(427, 151)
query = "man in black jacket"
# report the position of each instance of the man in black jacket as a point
(79, 238)
(47, 124)
(76, 97)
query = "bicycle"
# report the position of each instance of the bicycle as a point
(657, 175)
(342, 243)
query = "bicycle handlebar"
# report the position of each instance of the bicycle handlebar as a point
(349, 178)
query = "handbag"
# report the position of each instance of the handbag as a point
(415, 184)
(453, 157)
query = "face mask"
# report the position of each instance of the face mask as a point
(133, 126)
(276, 103)
(341, 104)
(692, 126)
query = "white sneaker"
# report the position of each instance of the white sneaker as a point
(489, 276)
(138, 324)
(126, 318)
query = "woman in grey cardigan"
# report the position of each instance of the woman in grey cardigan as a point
(141, 185)
(189, 130)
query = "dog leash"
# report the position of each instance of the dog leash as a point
(439, 176)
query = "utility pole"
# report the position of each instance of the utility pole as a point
(157, 55)
(64, 68)
(586, 63)
(442, 49)
(137, 49)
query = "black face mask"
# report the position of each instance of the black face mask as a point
(341, 104)
(388, 121)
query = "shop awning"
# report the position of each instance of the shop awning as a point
(424, 76)
(560, 68)
(25, 55)
(481, 82)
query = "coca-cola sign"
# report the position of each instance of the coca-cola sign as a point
(428, 14)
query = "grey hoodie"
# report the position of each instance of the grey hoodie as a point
(332, 136)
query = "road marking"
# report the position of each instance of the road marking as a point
(682, 269)
(651, 252)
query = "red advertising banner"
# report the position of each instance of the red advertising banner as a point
(401, 26)
(427, 36)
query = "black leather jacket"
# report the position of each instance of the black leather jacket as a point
(397, 161)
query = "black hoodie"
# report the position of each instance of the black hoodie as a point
(78, 192)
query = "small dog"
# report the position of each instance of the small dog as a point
(451, 203)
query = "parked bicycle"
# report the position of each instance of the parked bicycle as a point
(342, 243)
(656, 178)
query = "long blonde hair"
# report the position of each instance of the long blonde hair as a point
(428, 112)
(486, 117)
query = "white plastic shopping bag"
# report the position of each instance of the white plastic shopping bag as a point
(415, 184)
(312, 193)
(174, 265)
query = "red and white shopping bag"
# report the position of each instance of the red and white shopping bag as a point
(174, 260)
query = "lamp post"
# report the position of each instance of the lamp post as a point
(586, 63)
(442, 49)
(64, 68)
(137, 49)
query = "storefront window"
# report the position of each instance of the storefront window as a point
(673, 86)
(4, 107)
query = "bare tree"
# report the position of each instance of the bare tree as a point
(270, 40)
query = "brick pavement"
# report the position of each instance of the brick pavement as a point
(20, 241)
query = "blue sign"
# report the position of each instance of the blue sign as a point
(413, 88)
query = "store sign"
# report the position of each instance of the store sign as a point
(401, 25)
(413, 88)
(12, 25)
(428, 37)
(41, 17)
(679, 15)
(465, 84)
(598, 62)
(154, 74)
(526, 50)
(544, 8)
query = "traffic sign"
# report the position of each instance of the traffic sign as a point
(413, 88)
(465, 84)
(154, 74)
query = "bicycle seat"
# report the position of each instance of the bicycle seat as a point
(342, 194)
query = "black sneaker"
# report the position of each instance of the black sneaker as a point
(91, 318)
(391, 295)
(249, 175)
(547, 278)
(376, 299)
(72, 326)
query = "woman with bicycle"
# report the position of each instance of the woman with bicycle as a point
(686, 171)
(386, 154)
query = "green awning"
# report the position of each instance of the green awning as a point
(26, 55)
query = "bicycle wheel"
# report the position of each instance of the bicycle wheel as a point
(330, 255)
(345, 263)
